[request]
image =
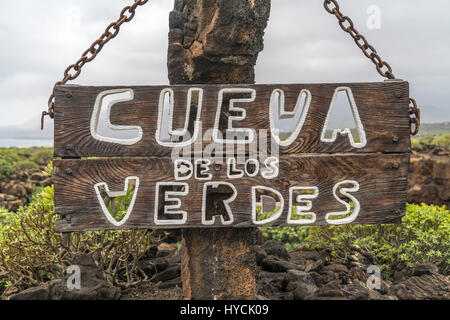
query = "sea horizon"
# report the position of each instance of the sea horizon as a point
(25, 143)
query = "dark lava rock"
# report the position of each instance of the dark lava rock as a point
(35, 293)
(423, 269)
(312, 265)
(297, 276)
(359, 274)
(170, 273)
(300, 283)
(177, 20)
(93, 285)
(401, 275)
(428, 286)
(301, 290)
(153, 266)
(274, 264)
(337, 268)
(151, 253)
(321, 279)
(260, 254)
(270, 286)
(304, 291)
(176, 282)
(276, 248)
(306, 255)
(274, 279)
(356, 291)
(331, 289)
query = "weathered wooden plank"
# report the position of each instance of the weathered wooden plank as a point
(382, 107)
(382, 183)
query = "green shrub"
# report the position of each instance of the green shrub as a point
(427, 140)
(292, 237)
(6, 168)
(424, 236)
(438, 140)
(49, 169)
(26, 165)
(5, 216)
(23, 158)
(416, 145)
(444, 140)
(31, 252)
(42, 156)
(9, 154)
(36, 192)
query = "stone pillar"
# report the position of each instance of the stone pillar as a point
(217, 42)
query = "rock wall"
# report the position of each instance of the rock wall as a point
(429, 176)
(16, 189)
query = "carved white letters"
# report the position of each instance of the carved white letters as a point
(345, 192)
(231, 131)
(115, 194)
(278, 99)
(272, 168)
(171, 209)
(356, 143)
(226, 203)
(170, 130)
(302, 210)
(258, 202)
(183, 169)
(116, 95)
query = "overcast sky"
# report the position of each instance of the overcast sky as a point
(303, 44)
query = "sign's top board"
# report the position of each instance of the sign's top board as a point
(381, 109)
(168, 154)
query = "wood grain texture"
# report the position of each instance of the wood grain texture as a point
(382, 193)
(383, 109)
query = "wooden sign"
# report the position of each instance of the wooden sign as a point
(157, 157)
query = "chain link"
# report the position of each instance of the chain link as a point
(414, 117)
(383, 68)
(73, 71)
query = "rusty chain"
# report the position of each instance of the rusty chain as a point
(383, 68)
(73, 71)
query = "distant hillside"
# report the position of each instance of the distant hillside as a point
(426, 129)
(434, 129)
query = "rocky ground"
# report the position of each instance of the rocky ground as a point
(303, 275)
(294, 275)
